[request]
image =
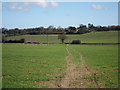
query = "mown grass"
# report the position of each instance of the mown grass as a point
(104, 60)
(93, 37)
(25, 66)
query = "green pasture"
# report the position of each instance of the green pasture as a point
(28, 65)
(93, 37)
(25, 66)
(102, 59)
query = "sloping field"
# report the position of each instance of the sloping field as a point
(97, 37)
(93, 37)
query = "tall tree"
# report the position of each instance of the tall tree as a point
(91, 27)
(82, 29)
(72, 30)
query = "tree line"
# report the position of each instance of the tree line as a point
(53, 30)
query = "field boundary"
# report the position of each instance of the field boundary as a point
(96, 43)
(71, 43)
(100, 43)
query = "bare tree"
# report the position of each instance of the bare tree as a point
(62, 37)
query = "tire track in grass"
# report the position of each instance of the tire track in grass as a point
(88, 72)
(70, 73)
(75, 77)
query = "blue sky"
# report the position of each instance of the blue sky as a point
(64, 14)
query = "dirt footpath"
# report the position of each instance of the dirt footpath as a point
(70, 73)
(77, 77)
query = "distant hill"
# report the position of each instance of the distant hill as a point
(99, 37)
(92, 37)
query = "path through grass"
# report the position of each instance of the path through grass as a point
(103, 59)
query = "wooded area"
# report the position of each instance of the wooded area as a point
(53, 30)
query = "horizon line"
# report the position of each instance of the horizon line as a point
(61, 26)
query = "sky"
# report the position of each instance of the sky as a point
(64, 14)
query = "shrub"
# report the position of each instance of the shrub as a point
(76, 42)
(15, 41)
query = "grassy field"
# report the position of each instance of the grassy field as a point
(93, 37)
(27, 66)
(101, 58)
(42, 66)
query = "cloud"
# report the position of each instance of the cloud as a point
(99, 7)
(16, 6)
(54, 4)
(27, 5)
(41, 3)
